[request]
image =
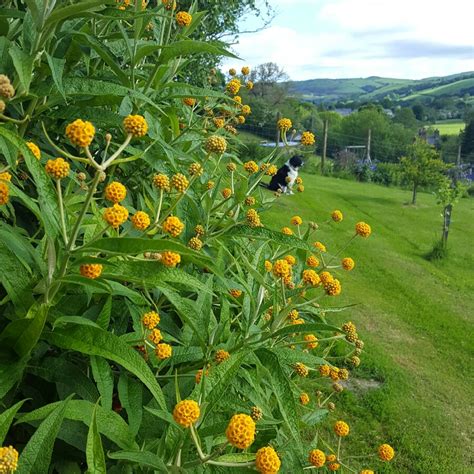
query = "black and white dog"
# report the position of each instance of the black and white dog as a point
(286, 176)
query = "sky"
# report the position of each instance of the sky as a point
(410, 39)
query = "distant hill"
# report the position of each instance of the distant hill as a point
(377, 88)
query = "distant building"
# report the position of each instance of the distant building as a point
(389, 113)
(432, 139)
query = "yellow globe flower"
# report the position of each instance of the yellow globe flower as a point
(249, 201)
(232, 71)
(5, 176)
(363, 229)
(334, 466)
(245, 70)
(80, 133)
(218, 122)
(151, 319)
(235, 293)
(216, 144)
(310, 277)
(386, 452)
(183, 19)
(267, 461)
(161, 181)
(246, 110)
(190, 101)
(58, 168)
(312, 341)
(307, 139)
(326, 277)
(195, 243)
(312, 261)
(304, 398)
(233, 86)
(347, 263)
(320, 246)
(186, 413)
(253, 219)
(34, 149)
(240, 431)
(284, 124)
(333, 288)
(301, 369)
(281, 268)
(4, 193)
(290, 259)
(296, 220)
(140, 220)
(155, 336)
(249, 85)
(221, 355)
(179, 182)
(337, 216)
(115, 192)
(116, 215)
(317, 458)
(226, 193)
(341, 428)
(136, 125)
(268, 266)
(8, 460)
(287, 231)
(91, 270)
(324, 370)
(170, 259)
(163, 351)
(173, 226)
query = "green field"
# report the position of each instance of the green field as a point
(414, 387)
(449, 128)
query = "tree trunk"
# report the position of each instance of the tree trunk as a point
(413, 199)
(446, 223)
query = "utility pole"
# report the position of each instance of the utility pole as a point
(277, 141)
(325, 145)
(369, 140)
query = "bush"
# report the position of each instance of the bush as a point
(146, 313)
(388, 174)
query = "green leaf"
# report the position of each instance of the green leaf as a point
(237, 457)
(95, 341)
(58, 370)
(94, 452)
(11, 372)
(36, 456)
(143, 458)
(23, 66)
(77, 9)
(304, 328)
(131, 397)
(6, 419)
(186, 310)
(109, 423)
(278, 238)
(282, 390)
(46, 194)
(57, 70)
(315, 417)
(104, 379)
(105, 54)
(153, 274)
(190, 47)
(16, 280)
(23, 334)
(103, 320)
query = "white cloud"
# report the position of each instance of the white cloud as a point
(347, 38)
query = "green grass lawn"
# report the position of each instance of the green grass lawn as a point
(415, 316)
(449, 128)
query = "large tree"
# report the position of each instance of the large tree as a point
(467, 141)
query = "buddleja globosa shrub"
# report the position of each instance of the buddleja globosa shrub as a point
(150, 321)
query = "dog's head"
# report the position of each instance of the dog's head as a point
(296, 162)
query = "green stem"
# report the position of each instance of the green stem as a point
(160, 203)
(61, 210)
(77, 225)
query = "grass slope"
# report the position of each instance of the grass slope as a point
(450, 128)
(414, 316)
